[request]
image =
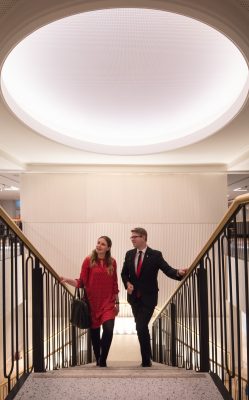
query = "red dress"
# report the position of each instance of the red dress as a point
(101, 289)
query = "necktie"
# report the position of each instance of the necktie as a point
(139, 263)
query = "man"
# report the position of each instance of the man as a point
(139, 275)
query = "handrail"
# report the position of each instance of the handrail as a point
(200, 326)
(239, 200)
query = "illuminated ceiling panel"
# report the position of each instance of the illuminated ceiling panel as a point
(125, 81)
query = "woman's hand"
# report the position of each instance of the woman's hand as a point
(69, 281)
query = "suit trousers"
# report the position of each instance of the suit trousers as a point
(142, 315)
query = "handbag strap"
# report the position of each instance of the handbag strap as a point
(77, 293)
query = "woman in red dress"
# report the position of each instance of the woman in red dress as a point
(99, 278)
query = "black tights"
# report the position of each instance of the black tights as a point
(101, 346)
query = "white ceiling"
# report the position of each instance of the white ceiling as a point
(23, 149)
(125, 81)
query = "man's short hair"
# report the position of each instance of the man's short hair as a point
(140, 231)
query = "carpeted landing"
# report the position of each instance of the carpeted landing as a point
(120, 380)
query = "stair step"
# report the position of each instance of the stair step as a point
(124, 381)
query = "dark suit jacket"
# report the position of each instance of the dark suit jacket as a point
(146, 284)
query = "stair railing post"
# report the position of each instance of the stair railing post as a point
(154, 343)
(160, 341)
(74, 346)
(173, 333)
(203, 317)
(37, 318)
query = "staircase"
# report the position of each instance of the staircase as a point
(120, 380)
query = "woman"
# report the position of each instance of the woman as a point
(99, 278)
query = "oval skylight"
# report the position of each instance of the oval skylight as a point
(125, 81)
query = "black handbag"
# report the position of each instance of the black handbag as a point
(80, 313)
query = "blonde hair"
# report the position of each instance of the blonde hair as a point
(140, 232)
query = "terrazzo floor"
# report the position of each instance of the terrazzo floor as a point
(120, 380)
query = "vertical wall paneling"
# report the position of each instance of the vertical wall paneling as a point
(64, 214)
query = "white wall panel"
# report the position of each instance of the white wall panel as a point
(151, 198)
(64, 214)
(65, 245)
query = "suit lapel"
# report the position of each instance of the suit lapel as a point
(134, 252)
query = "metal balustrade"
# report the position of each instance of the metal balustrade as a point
(204, 325)
(35, 332)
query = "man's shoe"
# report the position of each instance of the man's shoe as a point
(146, 364)
(102, 363)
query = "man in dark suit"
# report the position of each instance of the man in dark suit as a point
(139, 275)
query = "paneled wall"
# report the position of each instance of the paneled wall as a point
(64, 214)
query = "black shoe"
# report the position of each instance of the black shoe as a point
(102, 363)
(146, 364)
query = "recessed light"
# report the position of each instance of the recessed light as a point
(241, 189)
